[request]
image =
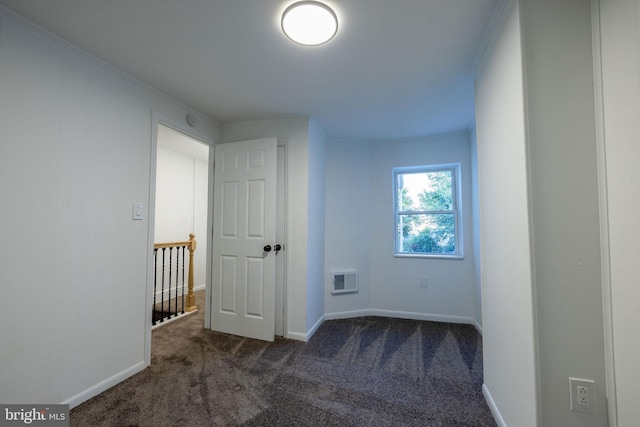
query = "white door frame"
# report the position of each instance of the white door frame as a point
(281, 237)
(607, 309)
(156, 120)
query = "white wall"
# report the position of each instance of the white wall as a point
(560, 111)
(182, 181)
(348, 224)
(395, 281)
(316, 236)
(360, 233)
(75, 154)
(295, 134)
(620, 58)
(510, 377)
(547, 268)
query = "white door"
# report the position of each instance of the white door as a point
(244, 231)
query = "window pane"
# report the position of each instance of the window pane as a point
(427, 233)
(425, 191)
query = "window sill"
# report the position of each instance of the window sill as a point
(430, 256)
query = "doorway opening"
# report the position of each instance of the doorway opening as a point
(181, 204)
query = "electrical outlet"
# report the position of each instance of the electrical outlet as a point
(583, 395)
(424, 283)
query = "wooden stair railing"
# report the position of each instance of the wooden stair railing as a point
(190, 305)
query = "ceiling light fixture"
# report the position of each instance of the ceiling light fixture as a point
(309, 23)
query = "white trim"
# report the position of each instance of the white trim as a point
(348, 314)
(151, 215)
(171, 319)
(316, 126)
(209, 260)
(488, 35)
(605, 256)
(298, 336)
(182, 127)
(283, 121)
(104, 385)
(477, 326)
(425, 138)
(532, 253)
(428, 256)
(315, 327)
(284, 144)
(456, 210)
(493, 407)
(442, 318)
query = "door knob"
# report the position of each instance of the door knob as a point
(267, 248)
(277, 247)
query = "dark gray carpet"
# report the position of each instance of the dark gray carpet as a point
(358, 372)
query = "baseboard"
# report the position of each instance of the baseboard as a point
(402, 315)
(478, 327)
(423, 316)
(348, 314)
(383, 313)
(299, 336)
(315, 327)
(171, 294)
(104, 385)
(492, 406)
(171, 319)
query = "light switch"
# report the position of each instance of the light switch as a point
(138, 209)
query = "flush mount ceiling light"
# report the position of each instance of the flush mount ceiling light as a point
(309, 23)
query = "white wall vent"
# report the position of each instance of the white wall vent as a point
(344, 281)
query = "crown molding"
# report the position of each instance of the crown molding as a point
(488, 35)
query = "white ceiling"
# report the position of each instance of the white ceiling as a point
(396, 68)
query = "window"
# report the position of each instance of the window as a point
(427, 214)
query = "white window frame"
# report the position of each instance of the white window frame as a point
(457, 209)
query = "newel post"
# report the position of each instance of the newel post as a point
(191, 298)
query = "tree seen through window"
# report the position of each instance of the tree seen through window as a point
(426, 211)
